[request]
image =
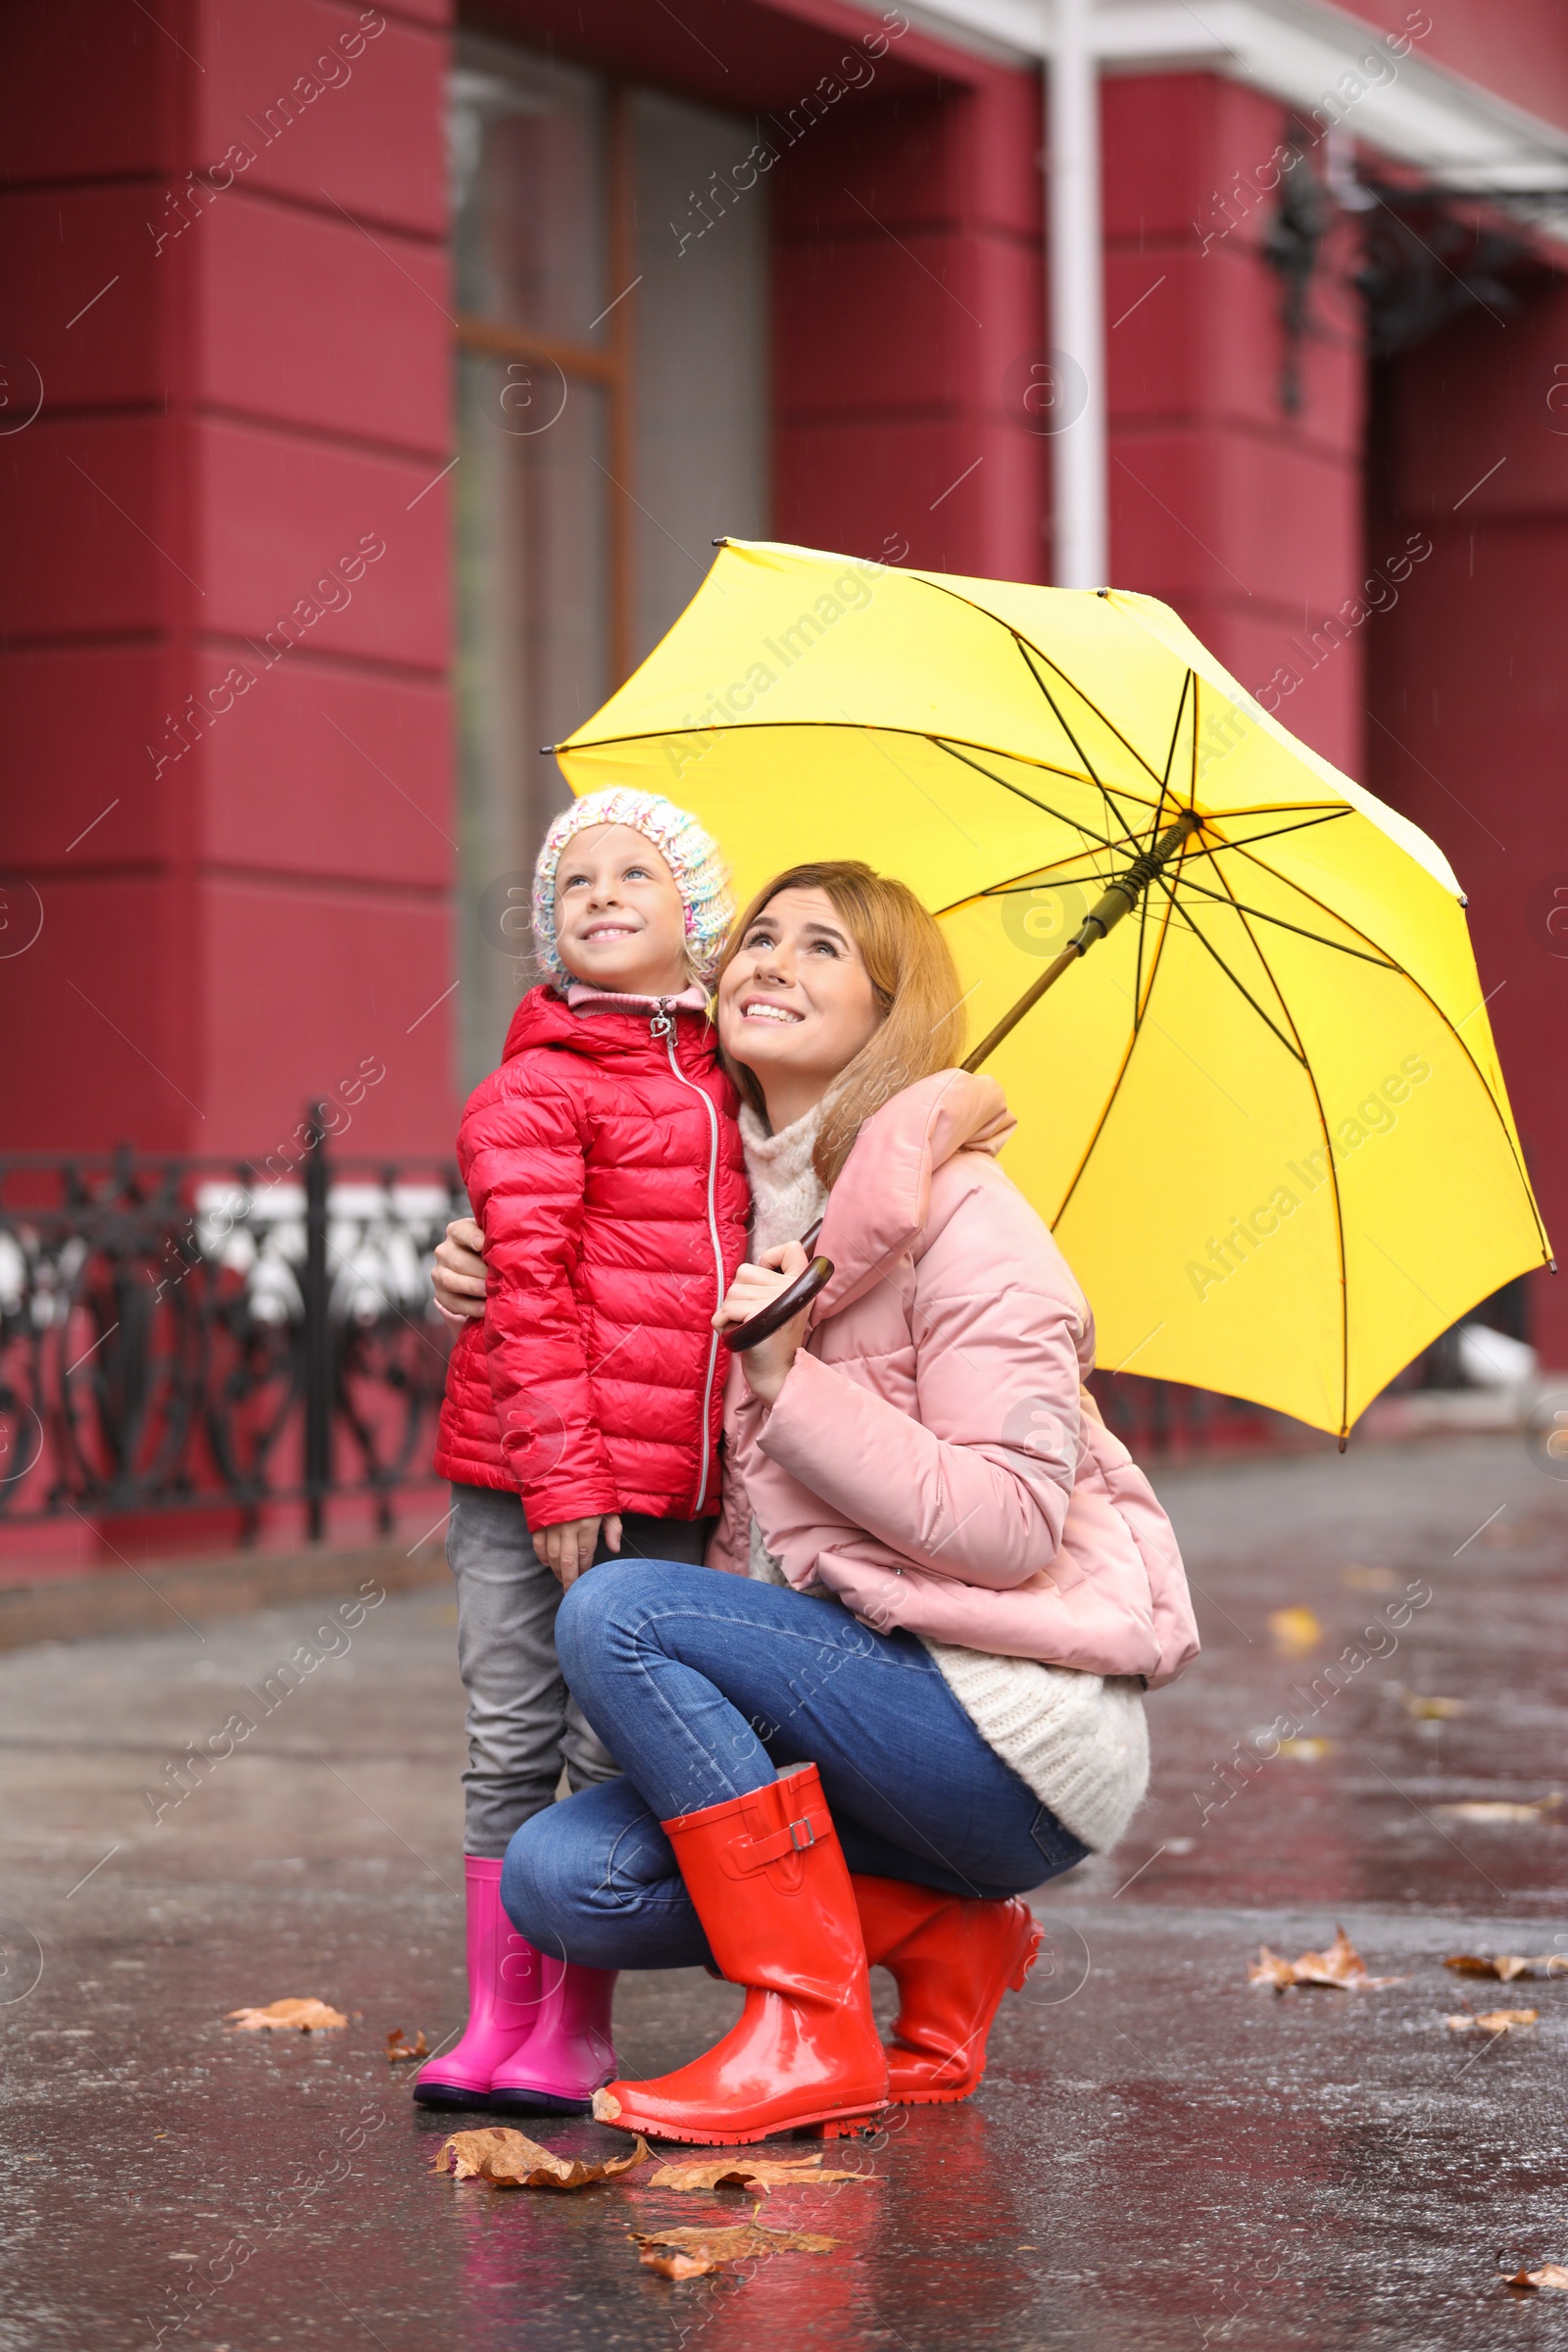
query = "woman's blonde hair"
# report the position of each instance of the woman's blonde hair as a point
(916, 983)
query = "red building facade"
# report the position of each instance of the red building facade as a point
(375, 381)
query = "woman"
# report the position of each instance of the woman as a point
(917, 1692)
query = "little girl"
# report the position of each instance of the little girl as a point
(582, 1415)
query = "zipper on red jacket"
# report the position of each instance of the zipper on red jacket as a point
(662, 1025)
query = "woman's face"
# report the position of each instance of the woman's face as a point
(796, 1004)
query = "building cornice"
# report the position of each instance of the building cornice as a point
(1439, 122)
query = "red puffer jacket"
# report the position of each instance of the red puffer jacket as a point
(603, 1162)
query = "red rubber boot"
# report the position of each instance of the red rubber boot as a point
(503, 1997)
(952, 1958)
(766, 1874)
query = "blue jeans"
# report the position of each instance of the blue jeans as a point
(700, 1685)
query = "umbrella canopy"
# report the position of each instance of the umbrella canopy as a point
(1264, 1117)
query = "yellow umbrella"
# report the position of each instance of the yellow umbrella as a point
(1264, 1118)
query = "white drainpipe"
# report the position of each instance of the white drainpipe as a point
(1077, 325)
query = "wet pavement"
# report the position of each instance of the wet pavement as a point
(1161, 2156)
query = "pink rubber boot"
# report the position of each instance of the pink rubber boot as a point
(570, 2054)
(505, 2003)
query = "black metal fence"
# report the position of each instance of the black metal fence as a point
(181, 1335)
(1164, 1419)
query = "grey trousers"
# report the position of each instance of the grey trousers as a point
(524, 1723)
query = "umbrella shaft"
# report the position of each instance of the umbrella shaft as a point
(1119, 898)
(1026, 1003)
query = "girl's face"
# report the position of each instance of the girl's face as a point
(619, 919)
(796, 1004)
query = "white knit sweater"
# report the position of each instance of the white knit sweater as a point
(788, 1196)
(1079, 1740)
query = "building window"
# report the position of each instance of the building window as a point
(613, 412)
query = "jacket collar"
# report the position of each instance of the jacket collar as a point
(881, 1201)
(545, 1018)
(584, 997)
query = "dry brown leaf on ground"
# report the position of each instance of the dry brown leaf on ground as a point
(288, 2017)
(1366, 1579)
(1504, 1966)
(399, 2047)
(1294, 1630)
(1500, 1808)
(759, 2173)
(1340, 1966)
(1550, 2273)
(1271, 1968)
(505, 2159)
(1491, 2020)
(691, 2253)
(670, 2262)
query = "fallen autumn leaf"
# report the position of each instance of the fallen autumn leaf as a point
(691, 2253)
(1498, 1808)
(1294, 1629)
(1367, 1580)
(1340, 1966)
(1505, 1966)
(670, 2262)
(505, 2159)
(398, 2047)
(760, 2172)
(1550, 2273)
(1491, 2020)
(285, 2017)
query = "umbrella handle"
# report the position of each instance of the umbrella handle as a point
(782, 1309)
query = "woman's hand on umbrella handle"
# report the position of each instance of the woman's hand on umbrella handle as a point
(457, 1276)
(766, 1365)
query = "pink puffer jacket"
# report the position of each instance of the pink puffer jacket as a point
(933, 1457)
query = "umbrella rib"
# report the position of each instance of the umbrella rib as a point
(862, 726)
(1344, 1272)
(1333, 1175)
(1276, 833)
(1325, 810)
(1192, 766)
(600, 743)
(1175, 735)
(1101, 840)
(1189, 683)
(948, 743)
(1026, 648)
(1258, 914)
(1204, 942)
(1115, 1088)
(1106, 1108)
(1142, 924)
(1141, 995)
(1452, 1027)
(1089, 766)
(1311, 896)
(1109, 723)
(1046, 768)
(1026, 881)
